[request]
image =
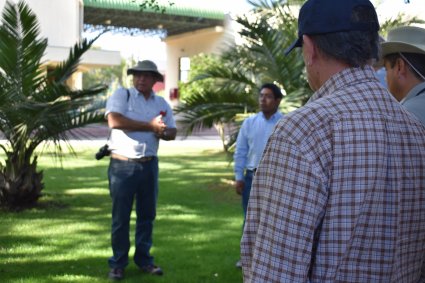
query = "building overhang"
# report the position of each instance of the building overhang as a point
(91, 59)
(128, 16)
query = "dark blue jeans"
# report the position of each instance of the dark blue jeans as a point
(246, 192)
(128, 181)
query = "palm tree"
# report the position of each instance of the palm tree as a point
(36, 105)
(223, 89)
(227, 86)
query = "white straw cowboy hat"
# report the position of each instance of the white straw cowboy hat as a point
(146, 66)
(406, 40)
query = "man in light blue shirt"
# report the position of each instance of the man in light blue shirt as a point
(138, 118)
(404, 61)
(252, 140)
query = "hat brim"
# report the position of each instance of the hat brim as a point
(296, 43)
(395, 47)
(159, 76)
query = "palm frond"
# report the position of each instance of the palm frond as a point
(209, 107)
(20, 50)
(64, 71)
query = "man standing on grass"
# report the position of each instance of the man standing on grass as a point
(138, 119)
(339, 195)
(252, 139)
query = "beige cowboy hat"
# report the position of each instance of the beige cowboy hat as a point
(146, 66)
(404, 39)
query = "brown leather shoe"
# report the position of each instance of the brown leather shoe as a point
(152, 269)
(116, 273)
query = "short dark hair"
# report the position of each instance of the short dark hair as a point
(355, 48)
(274, 88)
(417, 60)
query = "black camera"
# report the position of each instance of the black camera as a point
(103, 151)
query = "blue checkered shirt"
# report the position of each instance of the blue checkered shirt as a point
(339, 195)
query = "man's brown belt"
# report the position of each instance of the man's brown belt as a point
(141, 159)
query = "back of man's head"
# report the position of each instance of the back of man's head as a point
(343, 30)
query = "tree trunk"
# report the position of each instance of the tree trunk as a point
(20, 184)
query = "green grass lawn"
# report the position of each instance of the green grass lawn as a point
(67, 237)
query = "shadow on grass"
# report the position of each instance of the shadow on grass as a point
(66, 238)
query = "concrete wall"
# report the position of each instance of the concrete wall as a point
(59, 20)
(207, 41)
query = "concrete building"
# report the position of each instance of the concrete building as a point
(186, 31)
(61, 22)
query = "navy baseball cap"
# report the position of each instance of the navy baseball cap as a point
(328, 16)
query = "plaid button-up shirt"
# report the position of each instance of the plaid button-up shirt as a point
(339, 195)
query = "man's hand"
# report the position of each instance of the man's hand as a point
(158, 126)
(239, 185)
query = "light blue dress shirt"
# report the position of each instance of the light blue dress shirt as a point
(136, 144)
(415, 101)
(251, 142)
(381, 74)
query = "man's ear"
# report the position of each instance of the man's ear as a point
(309, 49)
(401, 68)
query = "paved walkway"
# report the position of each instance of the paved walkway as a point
(101, 132)
(97, 135)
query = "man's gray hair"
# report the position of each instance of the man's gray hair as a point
(356, 48)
